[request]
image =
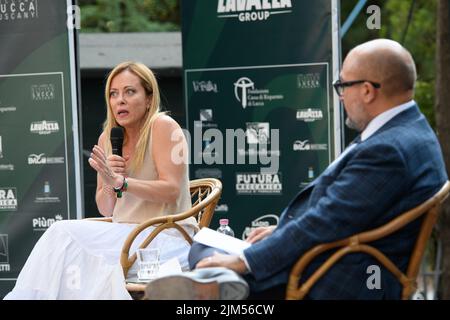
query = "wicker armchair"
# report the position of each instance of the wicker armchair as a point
(205, 194)
(430, 209)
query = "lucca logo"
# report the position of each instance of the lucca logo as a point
(252, 10)
(14, 10)
(43, 92)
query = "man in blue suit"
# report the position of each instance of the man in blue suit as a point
(395, 164)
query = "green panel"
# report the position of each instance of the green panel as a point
(258, 68)
(37, 158)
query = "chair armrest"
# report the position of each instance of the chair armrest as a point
(104, 219)
(160, 223)
(349, 245)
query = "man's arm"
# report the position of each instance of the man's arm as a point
(374, 179)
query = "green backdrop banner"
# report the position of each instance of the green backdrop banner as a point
(39, 148)
(259, 101)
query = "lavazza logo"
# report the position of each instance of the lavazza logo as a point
(43, 92)
(259, 183)
(12, 10)
(246, 93)
(252, 10)
(42, 159)
(8, 199)
(44, 127)
(42, 223)
(309, 115)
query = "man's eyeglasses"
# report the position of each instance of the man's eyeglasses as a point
(339, 86)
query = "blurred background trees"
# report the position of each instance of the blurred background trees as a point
(129, 15)
(411, 22)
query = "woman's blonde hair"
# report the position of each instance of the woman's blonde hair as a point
(148, 81)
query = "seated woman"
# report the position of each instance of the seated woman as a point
(79, 259)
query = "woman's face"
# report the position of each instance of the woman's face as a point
(128, 100)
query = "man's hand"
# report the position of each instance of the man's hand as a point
(260, 233)
(223, 260)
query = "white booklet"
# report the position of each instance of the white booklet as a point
(222, 241)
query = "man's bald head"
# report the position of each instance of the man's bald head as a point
(384, 61)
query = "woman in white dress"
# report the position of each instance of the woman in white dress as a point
(79, 259)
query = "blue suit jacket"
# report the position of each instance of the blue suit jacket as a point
(394, 170)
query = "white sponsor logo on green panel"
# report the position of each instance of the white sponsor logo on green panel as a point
(8, 198)
(43, 92)
(252, 10)
(263, 221)
(44, 127)
(205, 86)
(43, 223)
(309, 115)
(42, 159)
(258, 183)
(4, 253)
(15, 10)
(305, 145)
(247, 94)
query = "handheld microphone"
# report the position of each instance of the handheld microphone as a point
(116, 137)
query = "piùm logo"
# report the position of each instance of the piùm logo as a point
(252, 10)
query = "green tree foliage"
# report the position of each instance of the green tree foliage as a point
(419, 37)
(130, 15)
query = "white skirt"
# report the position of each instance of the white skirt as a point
(80, 259)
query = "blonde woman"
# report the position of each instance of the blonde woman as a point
(79, 259)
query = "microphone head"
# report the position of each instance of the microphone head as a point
(116, 137)
(117, 133)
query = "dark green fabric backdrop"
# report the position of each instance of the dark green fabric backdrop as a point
(258, 68)
(39, 170)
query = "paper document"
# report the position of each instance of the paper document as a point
(171, 266)
(219, 240)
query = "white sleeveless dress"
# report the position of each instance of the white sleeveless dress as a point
(79, 259)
